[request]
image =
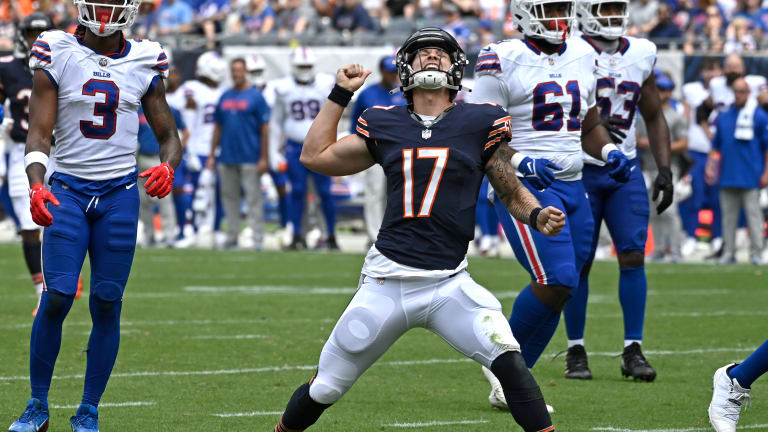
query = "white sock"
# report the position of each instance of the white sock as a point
(628, 342)
(574, 342)
(39, 289)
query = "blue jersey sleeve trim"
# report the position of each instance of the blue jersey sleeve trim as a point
(50, 77)
(152, 85)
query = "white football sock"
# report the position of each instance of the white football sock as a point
(574, 342)
(628, 342)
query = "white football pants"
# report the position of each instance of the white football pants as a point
(456, 308)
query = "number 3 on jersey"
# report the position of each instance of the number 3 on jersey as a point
(440, 155)
(107, 110)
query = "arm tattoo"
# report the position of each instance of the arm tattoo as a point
(516, 198)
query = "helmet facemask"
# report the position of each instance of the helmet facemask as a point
(105, 17)
(597, 18)
(537, 19)
(421, 62)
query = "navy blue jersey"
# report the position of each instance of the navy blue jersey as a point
(16, 85)
(433, 177)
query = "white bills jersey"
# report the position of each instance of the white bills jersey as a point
(694, 94)
(97, 121)
(620, 76)
(722, 94)
(200, 120)
(295, 106)
(547, 97)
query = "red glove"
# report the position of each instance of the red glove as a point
(38, 197)
(160, 181)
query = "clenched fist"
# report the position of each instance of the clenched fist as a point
(550, 221)
(352, 77)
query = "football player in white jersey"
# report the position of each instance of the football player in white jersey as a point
(201, 95)
(548, 86)
(87, 89)
(699, 146)
(625, 85)
(297, 101)
(278, 168)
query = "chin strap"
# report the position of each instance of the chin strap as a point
(416, 84)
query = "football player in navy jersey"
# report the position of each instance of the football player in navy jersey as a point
(16, 86)
(434, 154)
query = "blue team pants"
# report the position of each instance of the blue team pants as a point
(298, 173)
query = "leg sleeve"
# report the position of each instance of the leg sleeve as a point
(372, 322)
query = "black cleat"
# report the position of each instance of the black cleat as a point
(331, 243)
(634, 364)
(576, 364)
(297, 243)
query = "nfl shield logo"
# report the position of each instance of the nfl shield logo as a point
(426, 133)
(102, 62)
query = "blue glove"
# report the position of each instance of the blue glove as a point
(620, 166)
(538, 172)
(2, 113)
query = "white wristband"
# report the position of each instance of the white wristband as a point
(517, 159)
(607, 149)
(35, 157)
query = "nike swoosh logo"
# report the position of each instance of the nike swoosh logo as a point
(130, 185)
(530, 166)
(633, 168)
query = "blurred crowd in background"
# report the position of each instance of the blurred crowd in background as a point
(720, 26)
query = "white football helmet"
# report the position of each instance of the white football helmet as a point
(531, 17)
(104, 17)
(589, 14)
(210, 65)
(303, 64)
(255, 66)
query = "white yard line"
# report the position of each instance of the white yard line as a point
(110, 405)
(690, 429)
(434, 423)
(152, 323)
(248, 414)
(222, 337)
(388, 363)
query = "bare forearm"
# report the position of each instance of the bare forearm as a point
(518, 200)
(659, 140)
(679, 146)
(322, 133)
(215, 141)
(265, 144)
(593, 135)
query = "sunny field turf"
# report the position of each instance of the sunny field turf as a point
(234, 333)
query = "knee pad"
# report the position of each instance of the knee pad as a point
(554, 296)
(325, 393)
(103, 307)
(55, 306)
(630, 259)
(107, 291)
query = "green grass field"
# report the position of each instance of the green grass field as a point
(234, 333)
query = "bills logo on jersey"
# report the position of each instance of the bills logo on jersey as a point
(426, 134)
